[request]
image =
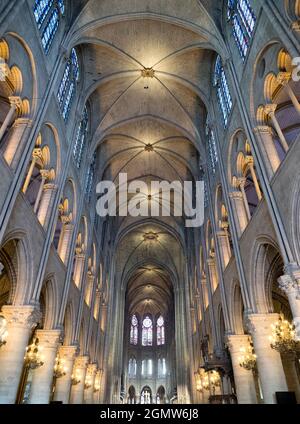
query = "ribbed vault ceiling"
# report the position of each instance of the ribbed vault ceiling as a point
(177, 40)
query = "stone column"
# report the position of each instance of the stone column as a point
(90, 379)
(97, 304)
(80, 368)
(18, 135)
(42, 380)
(239, 211)
(96, 394)
(15, 104)
(78, 267)
(270, 111)
(283, 78)
(244, 380)
(89, 287)
(45, 208)
(291, 374)
(63, 384)
(21, 320)
(66, 237)
(223, 240)
(211, 264)
(36, 155)
(242, 182)
(265, 134)
(270, 369)
(250, 163)
(290, 286)
(45, 175)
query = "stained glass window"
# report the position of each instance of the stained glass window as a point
(90, 178)
(212, 148)
(223, 93)
(50, 30)
(41, 9)
(134, 331)
(47, 14)
(81, 137)
(160, 331)
(161, 368)
(132, 367)
(242, 19)
(67, 87)
(147, 332)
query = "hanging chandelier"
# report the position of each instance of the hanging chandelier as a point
(33, 358)
(211, 379)
(3, 331)
(60, 369)
(283, 338)
(248, 358)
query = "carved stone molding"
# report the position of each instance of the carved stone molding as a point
(263, 129)
(67, 352)
(91, 369)
(21, 316)
(235, 342)
(81, 361)
(287, 284)
(48, 338)
(261, 323)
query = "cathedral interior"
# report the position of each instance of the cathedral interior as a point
(131, 309)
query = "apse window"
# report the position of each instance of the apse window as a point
(160, 331)
(147, 332)
(134, 331)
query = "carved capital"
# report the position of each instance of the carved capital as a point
(50, 187)
(66, 219)
(91, 370)
(67, 352)
(45, 173)
(242, 183)
(37, 153)
(260, 323)
(15, 101)
(235, 195)
(263, 129)
(81, 362)
(21, 316)
(236, 342)
(288, 284)
(283, 78)
(270, 109)
(48, 338)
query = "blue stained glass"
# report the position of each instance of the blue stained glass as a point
(61, 5)
(68, 102)
(247, 15)
(41, 10)
(243, 20)
(212, 149)
(80, 140)
(90, 178)
(75, 64)
(223, 92)
(50, 30)
(64, 83)
(67, 87)
(240, 37)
